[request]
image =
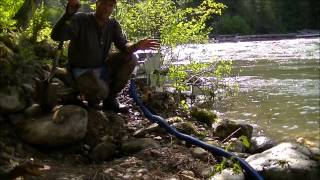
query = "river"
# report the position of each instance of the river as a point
(279, 84)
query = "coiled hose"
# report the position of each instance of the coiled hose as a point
(213, 149)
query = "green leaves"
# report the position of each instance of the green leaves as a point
(8, 9)
(163, 19)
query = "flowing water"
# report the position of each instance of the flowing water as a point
(279, 83)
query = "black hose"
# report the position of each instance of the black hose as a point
(192, 140)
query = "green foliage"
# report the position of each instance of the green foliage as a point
(233, 25)
(163, 19)
(8, 9)
(227, 163)
(184, 105)
(245, 141)
(39, 28)
(189, 77)
(268, 16)
(223, 69)
(182, 76)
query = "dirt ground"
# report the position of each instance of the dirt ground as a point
(172, 160)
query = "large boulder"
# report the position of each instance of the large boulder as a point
(11, 100)
(225, 128)
(286, 161)
(66, 125)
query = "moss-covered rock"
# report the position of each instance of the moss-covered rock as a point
(10, 40)
(187, 128)
(203, 115)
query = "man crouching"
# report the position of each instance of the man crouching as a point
(98, 74)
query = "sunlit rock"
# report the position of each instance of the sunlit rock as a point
(260, 144)
(286, 161)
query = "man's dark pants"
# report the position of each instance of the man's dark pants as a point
(119, 67)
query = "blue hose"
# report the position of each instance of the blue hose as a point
(213, 149)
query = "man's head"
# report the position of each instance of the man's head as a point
(104, 8)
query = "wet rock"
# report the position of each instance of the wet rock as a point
(33, 110)
(104, 151)
(11, 100)
(260, 144)
(228, 174)
(139, 144)
(286, 161)
(200, 153)
(225, 128)
(203, 115)
(67, 125)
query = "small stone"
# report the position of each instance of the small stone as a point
(103, 151)
(157, 138)
(143, 171)
(33, 110)
(86, 146)
(105, 138)
(200, 153)
(139, 144)
(187, 175)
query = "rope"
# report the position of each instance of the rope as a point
(192, 140)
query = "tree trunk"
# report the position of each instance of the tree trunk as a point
(25, 13)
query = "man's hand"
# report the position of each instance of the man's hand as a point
(147, 44)
(72, 6)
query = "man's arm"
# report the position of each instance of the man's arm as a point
(143, 45)
(64, 29)
(122, 44)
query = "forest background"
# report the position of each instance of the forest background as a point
(236, 17)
